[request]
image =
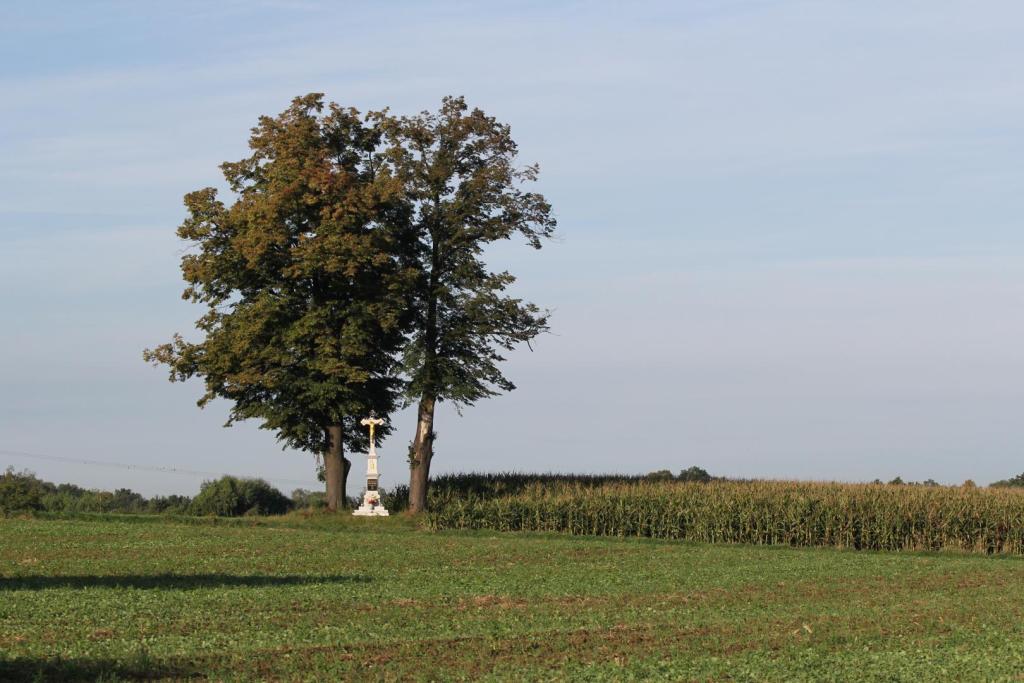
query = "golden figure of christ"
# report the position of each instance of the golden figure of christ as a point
(372, 422)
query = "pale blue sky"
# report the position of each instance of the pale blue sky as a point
(790, 240)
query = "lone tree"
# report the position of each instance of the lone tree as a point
(464, 191)
(304, 281)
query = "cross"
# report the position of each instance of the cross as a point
(372, 422)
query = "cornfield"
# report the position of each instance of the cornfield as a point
(858, 516)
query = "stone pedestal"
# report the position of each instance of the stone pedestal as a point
(371, 506)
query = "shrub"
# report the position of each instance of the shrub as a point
(172, 505)
(1017, 481)
(695, 473)
(20, 492)
(126, 500)
(303, 499)
(234, 497)
(395, 499)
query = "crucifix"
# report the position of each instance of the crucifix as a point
(372, 422)
(371, 498)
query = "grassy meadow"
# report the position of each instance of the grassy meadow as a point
(336, 598)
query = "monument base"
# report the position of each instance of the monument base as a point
(371, 507)
(365, 510)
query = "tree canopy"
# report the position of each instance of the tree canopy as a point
(349, 271)
(464, 191)
(304, 280)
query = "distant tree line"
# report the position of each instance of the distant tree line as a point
(233, 496)
(699, 474)
(1011, 482)
(225, 497)
(23, 491)
(694, 473)
(898, 481)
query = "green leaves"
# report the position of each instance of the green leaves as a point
(464, 191)
(348, 271)
(302, 277)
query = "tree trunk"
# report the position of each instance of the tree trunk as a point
(422, 449)
(420, 454)
(336, 467)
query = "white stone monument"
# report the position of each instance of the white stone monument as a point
(371, 506)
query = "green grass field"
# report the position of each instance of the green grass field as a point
(348, 599)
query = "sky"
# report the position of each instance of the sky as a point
(789, 239)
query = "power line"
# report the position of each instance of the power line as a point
(146, 468)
